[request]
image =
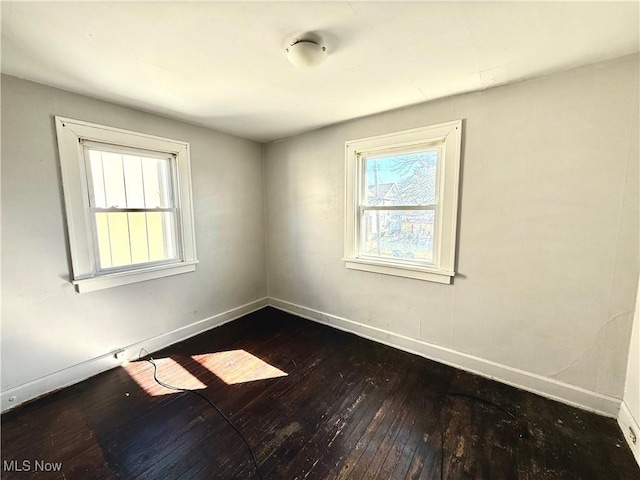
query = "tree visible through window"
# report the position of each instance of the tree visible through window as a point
(407, 181)
(401, 201)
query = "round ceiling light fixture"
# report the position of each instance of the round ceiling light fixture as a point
(306, 53)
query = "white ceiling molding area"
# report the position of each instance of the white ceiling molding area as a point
(223, 64)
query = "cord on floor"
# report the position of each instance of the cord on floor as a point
(207, 399)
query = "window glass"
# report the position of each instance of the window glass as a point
(128, 205)
(401, 202)
(119, 182)
(401, 179)
(399, 234)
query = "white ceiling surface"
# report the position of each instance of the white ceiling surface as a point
(222, 64)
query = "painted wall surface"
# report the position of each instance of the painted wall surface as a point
(631, 398)
(632, 383)
(46, 325)
(548, 227)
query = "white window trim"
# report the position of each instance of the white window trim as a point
(449, 135)
(70, 134)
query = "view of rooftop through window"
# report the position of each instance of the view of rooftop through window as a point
(403, 180)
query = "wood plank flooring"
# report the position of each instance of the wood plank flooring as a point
(331, 406)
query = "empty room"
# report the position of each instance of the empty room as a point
(320, 240)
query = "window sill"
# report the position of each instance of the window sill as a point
(400, 270)
(125, 278)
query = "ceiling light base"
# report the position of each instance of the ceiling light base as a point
(306, 53)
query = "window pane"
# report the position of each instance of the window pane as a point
(402, 234)
(156, 174)
(139, 239)
(161, 228)
(129, 181)
(119, 239)
(104, 243)
(134, 238)
(98, 195)
(114, 180)
(134, 185)
(405, 179)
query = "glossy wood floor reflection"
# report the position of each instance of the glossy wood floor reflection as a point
(314, 403)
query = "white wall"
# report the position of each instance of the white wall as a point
(632, 384)
(547, 256)
(49, 330)
(629, 415)
(548, 235)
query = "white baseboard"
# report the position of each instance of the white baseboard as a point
(626, 422)
(550, 388)
(15, 396)
(547, 387)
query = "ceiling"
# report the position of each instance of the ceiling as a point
(222, 64)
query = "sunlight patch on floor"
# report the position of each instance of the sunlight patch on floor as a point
(169, 371)
(238, 366)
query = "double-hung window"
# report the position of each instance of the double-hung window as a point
(401, 202)
(128, 203)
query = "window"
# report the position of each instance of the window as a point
(401, 202)
(128, 204)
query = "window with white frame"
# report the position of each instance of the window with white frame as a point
(401, 200)
(128, 204)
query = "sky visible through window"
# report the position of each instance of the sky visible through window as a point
(407, 179)
(412, 174)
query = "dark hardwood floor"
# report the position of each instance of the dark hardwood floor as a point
(335, 406)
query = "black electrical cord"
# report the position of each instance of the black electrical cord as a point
(439, 396)
(204, 397)
(524, 434)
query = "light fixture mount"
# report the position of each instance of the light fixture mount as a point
(305, 53)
